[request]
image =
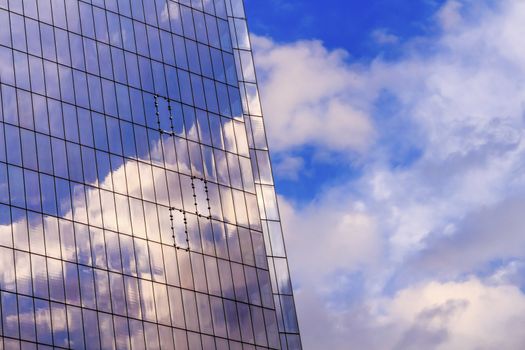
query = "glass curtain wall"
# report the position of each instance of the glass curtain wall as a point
(137, 208)
(260, 158)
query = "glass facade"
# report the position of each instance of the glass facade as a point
(137, 207)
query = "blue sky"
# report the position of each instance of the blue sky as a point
(352, 26)
(396, 130)
(340, 23)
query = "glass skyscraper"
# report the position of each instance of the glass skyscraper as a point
(137, 207)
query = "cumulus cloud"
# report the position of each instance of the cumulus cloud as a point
(483, 236)
(305, 91)
(469, 314)
(352, 237)
(441, 192)
(455, 315)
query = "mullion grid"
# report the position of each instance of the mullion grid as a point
(241, 79)
(284, 338)
(59, 228)
(129, 341)
(133, 122)
(133, 19)
(38, 164)
(59, 64)
(122, 155)
(253, 330)
(130, 234)
(71, 182)
(220, 200)
(107, 271)
(140, 291)
(12, 233)
(97, 111)
(27, 228)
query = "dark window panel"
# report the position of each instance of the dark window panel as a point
(72, 15)
(49, 205)
(36, 233)
(6, 67)
(91, 329)
(30, 8)
(75, 326)
(118, 300)
(18, 33)
(167, 47)
(86, 19)
(77, 53)
(83, 246)
(56, 280)
(200, 26)
(89, 210)
(32, 190)
(212, 31)
(101, 27)
(5, 35)
(9, 315)
(95, 93)
(20, 233)
(115, 37)
(124, 7)
(161, 303)
(62, 46)
(7, 278)
(90, 54)
(122, 334)
(137, 10)
(71, 282)
(132, 297)
(104, 59)
(146, 77)
(128, 35)
(37, 75)
(47, 36)
(109, 215)
(51, 235)
(180, 52)
(159, 78)
(119, 68)
(39, 276)
(15, 6)
(107, 334)
(204, 313)
(67, 241)
(59, 13)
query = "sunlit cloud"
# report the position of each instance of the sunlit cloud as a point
(306, 90)
(414, 247)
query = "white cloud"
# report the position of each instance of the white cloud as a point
(343, 234)
(463, 315)
(306, 93)
(412, 230)
(383, 37)
(455, 315)
(289, 167)
(449, 16)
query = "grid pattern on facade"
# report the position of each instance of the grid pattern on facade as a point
(129, 214)
(260, 158)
